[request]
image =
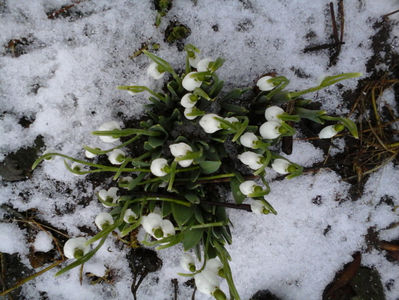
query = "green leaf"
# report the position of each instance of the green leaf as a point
(155, 142)
(209, 167)
(235, 189)
(192, 238)
(166, 208)
(193, 198)
(159, 61)
(181, 213)
(351, 126)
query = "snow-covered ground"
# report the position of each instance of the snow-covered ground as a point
(66, 82)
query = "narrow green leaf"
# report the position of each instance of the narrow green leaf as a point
(235, 189)
(192, 197)
(181, 214)
(192, 238)
(209, 167)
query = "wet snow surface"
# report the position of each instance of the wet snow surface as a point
(65, 81)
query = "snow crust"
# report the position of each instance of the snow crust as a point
(67, 83)
(43, 242)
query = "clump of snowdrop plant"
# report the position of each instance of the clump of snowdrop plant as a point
(189, 133)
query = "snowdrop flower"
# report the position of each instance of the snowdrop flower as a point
(179, 150)
(264, 83)
(108, 196)
(272, 113)
(158, 167)
(188, 111)
(89, 154)
(187, 262)
(248, 187)
(209, 123)
(258, 207)
(153, 71)
(194, 61)
(125, 180)
(190, 83)
(203, 64)
(129, 216)
(76, 247)
(207, 282)
(158, 228)
(103, 220)
(232, 120)
(249, 140)
(188, 100)
(330, 131)
(214, 265)
(77, 167)
(109, 126)
(270, 130)
(116, 157)
(251, 159)
(281, 166)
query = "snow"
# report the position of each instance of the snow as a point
(66, 83)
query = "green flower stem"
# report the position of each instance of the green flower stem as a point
(227, 175)
(166, 199)
(172, 175)
(139, 89)
(187, 169)
(127, 132)
(207, 225)
(123, 165)
(99, 152)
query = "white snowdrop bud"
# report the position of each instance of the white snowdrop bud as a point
(151, 223)
(188, 100)
(188, 111)
(125, 180)
(213, 265)
(158, 167)
(116, 157)
(281, 166)
(251, 159)
(167, 228)
(264, 83)
(249, 140)
(330, 131)
(209, 123)
(129, 216)
(203, 64)
(89, 154)
(248, 187)
(109, 196)
(103, 220)
(194, 60)
(179, 150)
(187, 262)
(153, 71)
(258, 207)
(109, 126)
(190, 83)
(76, 247)
(270, 130)
(272, 113)
(232, 120)
(207, 282)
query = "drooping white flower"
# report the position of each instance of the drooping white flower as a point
(330, 131)
(203, 64)
(270, 130)
(109, 196)
(89, 154)
(109, 126)
(248, 187)
(194, 60)
(272, 113)
(188, 100)
(153, 71)
(214, 265)
(77, 167)
(167, 228)
(103, 220)
(251, 159)
(158, 228)
(125, 180)
(158, 167)
(258, 207)
(264, 83)
(209, 123)
(207, 282)
(179, 150)
(188, 111)
(76, 247)
(281, 166)
(249, 140)
(190, 83)
(116, 157)
(129, 216)
(187, 262)
(231, 120)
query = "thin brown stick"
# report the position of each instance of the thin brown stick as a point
(334, 23)
(390, 14)
(341, 16)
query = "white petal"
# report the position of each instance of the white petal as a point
(206, 282)
(213, 265)
(88, 154)
(248, 140)
(109, 126)
(150, 222)
(190, 83)
(180, 149)
(189, 111)
(153, 71)
(257, 207)
(128, 214)
(186, 101)
(272, 113)
(167, 228)
(102, 219)
(77, 167)
(250, 159)
(73, 244)
(270, 130)
(231, 120)
(187, 260)
(194, 61)
(113, 155)
(209, 123)
(247, 187)
(157, 166)
(281, 166)
(203, 64)
(185, 163)
(264, 84)
(328, 132)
